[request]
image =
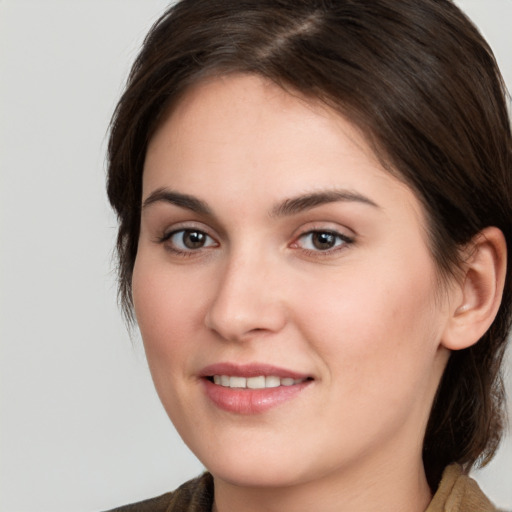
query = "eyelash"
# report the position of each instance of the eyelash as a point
(189, 251)
(341, 242)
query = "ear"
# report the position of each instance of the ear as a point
(479, 292)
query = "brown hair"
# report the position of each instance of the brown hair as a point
(423, 85)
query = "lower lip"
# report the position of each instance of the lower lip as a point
(251, 401)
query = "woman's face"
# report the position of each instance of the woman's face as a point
(288, 303)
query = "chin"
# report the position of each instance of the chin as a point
(252, 475)
(260, 466)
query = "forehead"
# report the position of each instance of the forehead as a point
(247, 132)
(253, 115)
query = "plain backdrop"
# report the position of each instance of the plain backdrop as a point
(81, 426)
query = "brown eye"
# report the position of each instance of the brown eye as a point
(323, 241)
(193, 239)
(186, 240)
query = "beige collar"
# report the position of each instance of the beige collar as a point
(458, 492)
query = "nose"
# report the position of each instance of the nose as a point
(248, 301)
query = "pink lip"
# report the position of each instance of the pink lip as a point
(250, 401)
(249, 370)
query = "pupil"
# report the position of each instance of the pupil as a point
(193, 239)
(324, 240)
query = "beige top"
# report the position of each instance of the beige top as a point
(456, 493)
(459, 493)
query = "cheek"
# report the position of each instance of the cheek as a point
(167, 308)
(377, 329)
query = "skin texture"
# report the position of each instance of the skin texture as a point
(365, 320)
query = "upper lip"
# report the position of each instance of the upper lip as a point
(250, 370)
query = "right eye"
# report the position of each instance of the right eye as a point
(188, 240)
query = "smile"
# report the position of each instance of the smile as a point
(257, 382)
(251, 388)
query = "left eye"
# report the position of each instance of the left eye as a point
(321, 240)
(190, 240)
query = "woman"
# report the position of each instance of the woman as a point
(314, 201)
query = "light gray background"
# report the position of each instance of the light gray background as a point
(81, 426)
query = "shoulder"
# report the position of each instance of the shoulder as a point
(458, 492)
(193, 496)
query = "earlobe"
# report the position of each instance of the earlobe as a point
(481, 290)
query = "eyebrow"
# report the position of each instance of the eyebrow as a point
(308, 201)
(182, 200)
(286, 208)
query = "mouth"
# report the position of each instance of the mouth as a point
(251, 389)
(258, 382)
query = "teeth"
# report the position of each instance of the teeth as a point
(272, 382)
(259, 382)
(237, 382)
(256, 382)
